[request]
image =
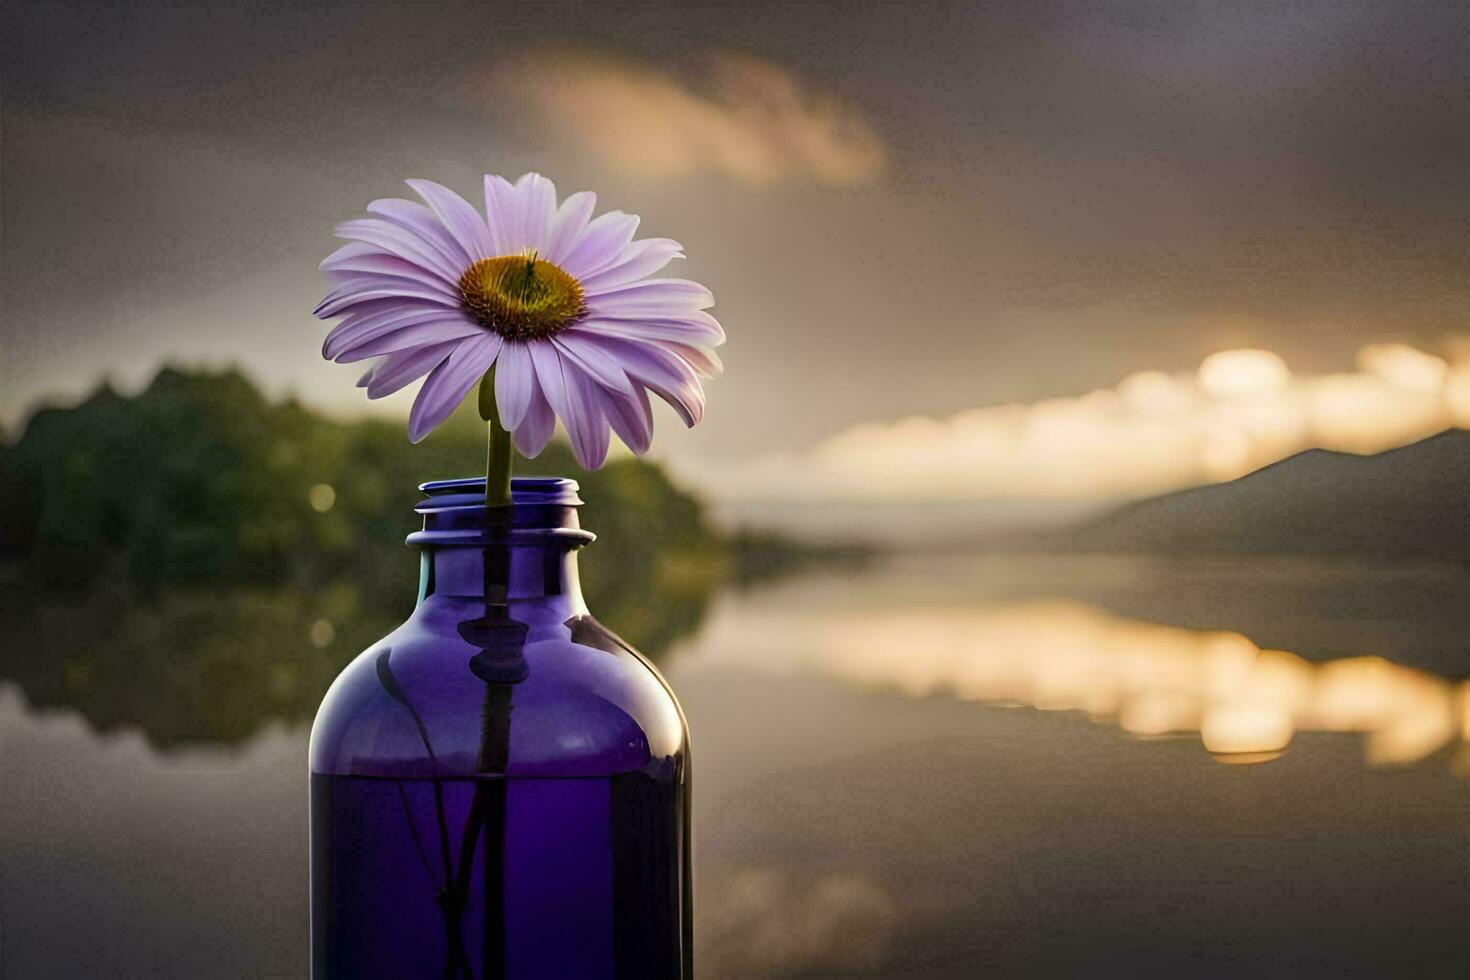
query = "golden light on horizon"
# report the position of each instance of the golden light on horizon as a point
(1226, 454)
(1457, 395)
(1152, 433)
(1242, 373)
(1404, 367)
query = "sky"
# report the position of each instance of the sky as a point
(962, 214)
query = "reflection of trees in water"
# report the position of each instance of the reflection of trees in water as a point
(217, 664)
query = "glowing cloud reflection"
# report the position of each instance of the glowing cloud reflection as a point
(1151, 681)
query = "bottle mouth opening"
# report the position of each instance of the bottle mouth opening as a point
(550, 490)
(544, 507)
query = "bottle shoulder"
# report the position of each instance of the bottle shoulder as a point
(417, 703)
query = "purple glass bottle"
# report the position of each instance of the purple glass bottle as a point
(500, 786)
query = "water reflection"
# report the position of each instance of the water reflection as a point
(192, 863)
(840, 830)
(215, 665)
(1243, 703)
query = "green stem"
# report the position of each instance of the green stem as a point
(487, 809)
(499, 453)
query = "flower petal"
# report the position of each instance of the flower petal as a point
(359, 257)
(515, 379)
(404, 368)
(695, 327)
(631, 418)
(706, 363)
(459, 217)
(399, 241)
(392, 304)
(502, 215)
(341, 281)
(359, 328)
(450, 382)
(425, 224)
(651, 297)
(358, 291)
(413, 335)
(571, 218)
(535, 430)
(549, 377)
(665, 373)
(588, 426)
(600, 244)
(639, 259)
(571, 394)
(538, 208)
(594, 360)
(350, 250)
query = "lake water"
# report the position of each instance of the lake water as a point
(975, 765)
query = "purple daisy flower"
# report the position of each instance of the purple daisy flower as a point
(555, 300)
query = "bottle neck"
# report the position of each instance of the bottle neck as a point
(526, 552)
(519, 571)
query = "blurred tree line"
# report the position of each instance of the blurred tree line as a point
(199, 477)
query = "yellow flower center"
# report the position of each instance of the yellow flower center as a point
(521, 297)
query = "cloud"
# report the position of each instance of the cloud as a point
(746, 119)
(1153, 432)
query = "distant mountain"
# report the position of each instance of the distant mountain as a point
(1408, 503)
